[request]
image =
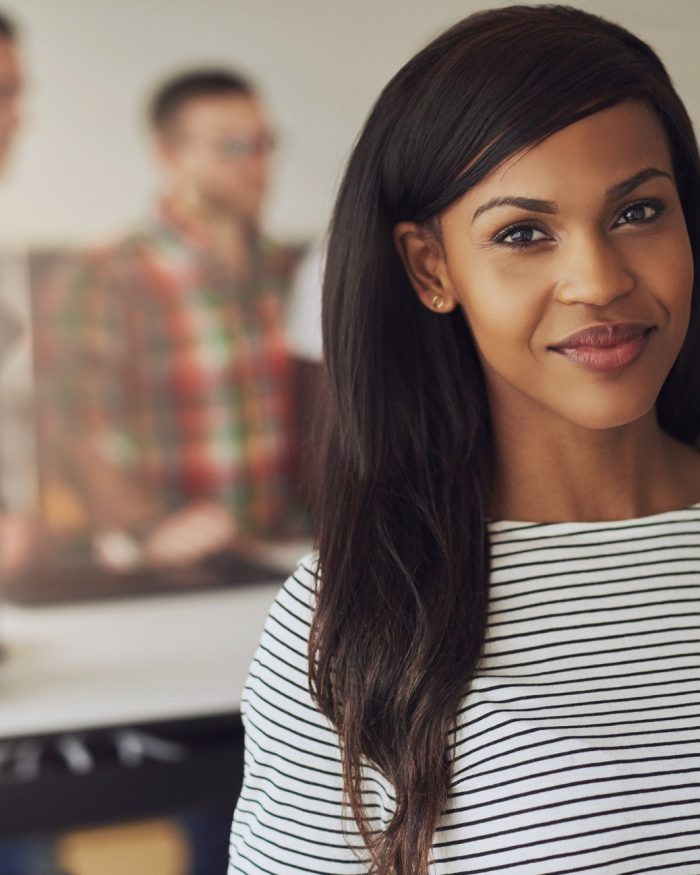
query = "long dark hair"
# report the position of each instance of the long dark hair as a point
(402, 514)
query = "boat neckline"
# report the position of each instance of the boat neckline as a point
(661, 516)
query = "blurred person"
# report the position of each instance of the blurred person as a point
(26, 855)
(170, 379)
(306, 344)
(15, 528)
(11, 89)
(304, 322)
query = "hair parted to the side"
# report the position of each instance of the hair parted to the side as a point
(174, 94)
(402, 512)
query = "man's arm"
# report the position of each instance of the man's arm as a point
(85, 380)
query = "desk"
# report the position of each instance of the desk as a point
(96, 664)
(171, 665)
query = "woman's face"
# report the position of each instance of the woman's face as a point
(574, 270)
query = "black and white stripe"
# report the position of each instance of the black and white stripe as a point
(577, 748)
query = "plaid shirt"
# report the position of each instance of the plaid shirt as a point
(178, 368)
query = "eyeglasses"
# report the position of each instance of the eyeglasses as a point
(238, 148)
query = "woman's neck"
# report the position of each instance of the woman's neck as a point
(559, 471)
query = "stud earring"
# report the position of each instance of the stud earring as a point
(438, 302)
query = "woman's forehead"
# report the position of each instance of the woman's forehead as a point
(586, 157)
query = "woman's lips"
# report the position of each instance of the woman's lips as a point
(606, 348)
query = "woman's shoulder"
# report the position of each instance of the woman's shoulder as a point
(297, 597)
(291, 809)
(285, 635)
(278, 678)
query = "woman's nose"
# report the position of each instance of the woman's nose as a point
(594, 272)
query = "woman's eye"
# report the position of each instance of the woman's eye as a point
(522, 235)
(639, 213)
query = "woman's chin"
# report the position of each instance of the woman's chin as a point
(602, 416)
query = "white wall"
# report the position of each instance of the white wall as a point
(82, 169)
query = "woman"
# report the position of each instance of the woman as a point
(503, 634)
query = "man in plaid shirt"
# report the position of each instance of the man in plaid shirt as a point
(167, 379)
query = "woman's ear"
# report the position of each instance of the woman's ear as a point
(424, 260)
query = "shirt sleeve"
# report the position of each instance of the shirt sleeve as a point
(84, 355)
(304, 308)
(290, 818)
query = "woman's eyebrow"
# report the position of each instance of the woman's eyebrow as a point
(525, 203)
(620, 189)
(627, 186)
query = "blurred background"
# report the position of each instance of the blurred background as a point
(168, 173)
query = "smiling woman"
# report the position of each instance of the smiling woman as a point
(493, 656)
(573, 267)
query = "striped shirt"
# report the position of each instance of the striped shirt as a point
(577, 748)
